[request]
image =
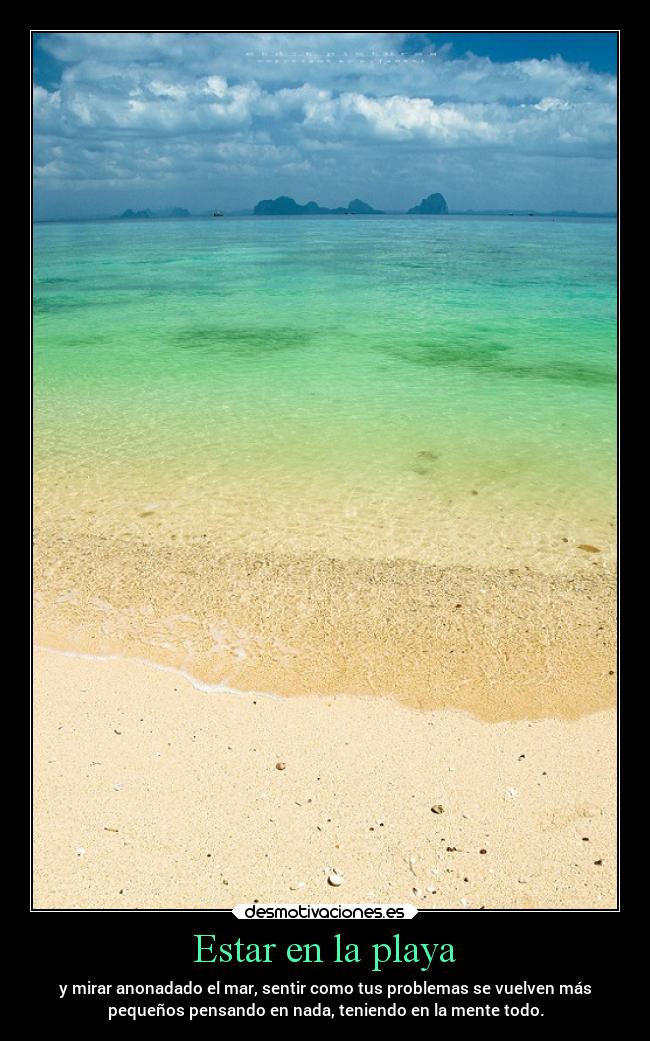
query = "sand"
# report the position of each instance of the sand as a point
(150, 793)
(500, 643)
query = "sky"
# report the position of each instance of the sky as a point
(493, 120)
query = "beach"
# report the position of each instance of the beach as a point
(325, 562)
(152, 794)
(501, 644)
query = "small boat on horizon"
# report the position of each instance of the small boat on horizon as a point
(217, 213)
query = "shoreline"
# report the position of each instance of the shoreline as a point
(150, 794)
(502, 644)
(171, 679)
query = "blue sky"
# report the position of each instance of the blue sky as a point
(597, 49)
(491, 120)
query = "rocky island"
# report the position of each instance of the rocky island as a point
(359, 206)
(174, 211)
(285, 206)
(433, 204)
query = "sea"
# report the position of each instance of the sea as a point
(440, 389)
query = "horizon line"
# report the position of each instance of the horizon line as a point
(241, 212)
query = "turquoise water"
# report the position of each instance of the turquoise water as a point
(442, 389)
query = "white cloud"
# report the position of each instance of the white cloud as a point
(139, 107)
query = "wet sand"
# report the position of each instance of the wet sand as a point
(500, 643)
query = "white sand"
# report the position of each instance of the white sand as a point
(151, 794)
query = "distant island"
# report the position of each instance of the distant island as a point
(175, 211)
(359, 206)
(433, 204)
(285, 206)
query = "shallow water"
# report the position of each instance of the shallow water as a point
(441, 390)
